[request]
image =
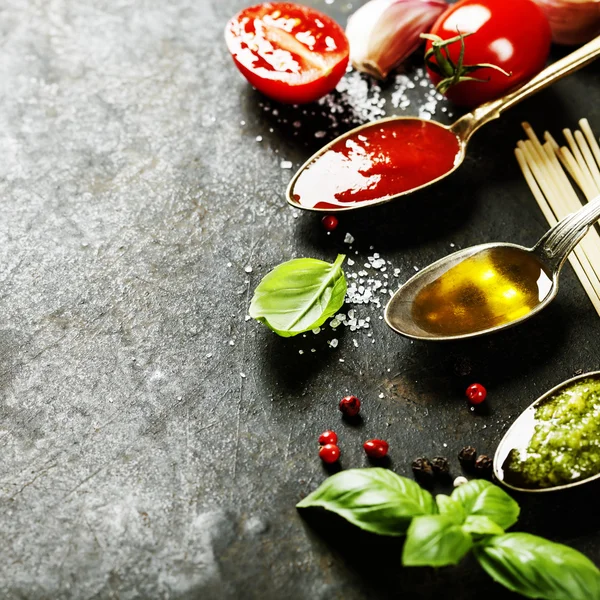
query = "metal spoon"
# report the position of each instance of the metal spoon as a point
(549, 254)
(463, 128)
(518, 437)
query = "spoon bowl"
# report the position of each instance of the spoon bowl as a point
(514, 446)
(486, 288)
(338, 169)
(400, 313)
(360, 168)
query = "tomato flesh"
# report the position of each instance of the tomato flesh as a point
(512, 34)
(291, 53)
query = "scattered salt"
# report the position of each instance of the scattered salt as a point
(248, 269)
(286, 164)
(209, 355)
(242, 375)
(231, 343)
(381, 395)
(333, 343)
(348, 239)
(247, 318)
(259, 138)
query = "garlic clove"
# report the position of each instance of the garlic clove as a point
(384, 33)
(572, 21)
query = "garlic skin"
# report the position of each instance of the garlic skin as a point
(383, 33)
(572, 21)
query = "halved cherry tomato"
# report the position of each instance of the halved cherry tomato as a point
(511, 34)
(289, 52)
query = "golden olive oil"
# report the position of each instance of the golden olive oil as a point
(491, 288)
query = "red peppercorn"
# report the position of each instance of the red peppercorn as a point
(329, 453)
(350, 406)
(329, 222)
(328, 437)
(376, 448)
(476, 393)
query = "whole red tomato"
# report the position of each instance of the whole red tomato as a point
(511, 34)
(289, 52)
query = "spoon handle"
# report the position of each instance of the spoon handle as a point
(469, 123)
(558, 242)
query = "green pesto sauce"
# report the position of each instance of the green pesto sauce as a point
(565, 443)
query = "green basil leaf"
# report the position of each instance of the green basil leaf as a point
(538, 568)
(299, 295)
(479, 525)
(482, 498)
(451, 508)
(376, 500)
(435, 541)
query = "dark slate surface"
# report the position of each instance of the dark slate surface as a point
(153, 442)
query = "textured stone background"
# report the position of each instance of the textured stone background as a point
(153, 442)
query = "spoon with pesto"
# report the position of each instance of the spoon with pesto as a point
(486, 288)
(555, 443)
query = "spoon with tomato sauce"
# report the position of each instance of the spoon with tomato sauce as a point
(389, 158)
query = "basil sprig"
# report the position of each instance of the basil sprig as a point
(299, 295)
(441, 532)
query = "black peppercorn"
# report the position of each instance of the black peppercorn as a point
(422, 469)
(484, 465)
(467, 457)
(440, 467)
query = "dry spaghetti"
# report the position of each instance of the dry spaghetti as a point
(549, 170)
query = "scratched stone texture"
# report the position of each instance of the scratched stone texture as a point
(154, 442)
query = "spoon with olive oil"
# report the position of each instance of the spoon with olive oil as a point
(488, 287)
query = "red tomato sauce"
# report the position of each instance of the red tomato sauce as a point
(382, 160)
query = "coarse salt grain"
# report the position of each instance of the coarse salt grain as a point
(348, 239)
(248, 269)
(286, 164)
